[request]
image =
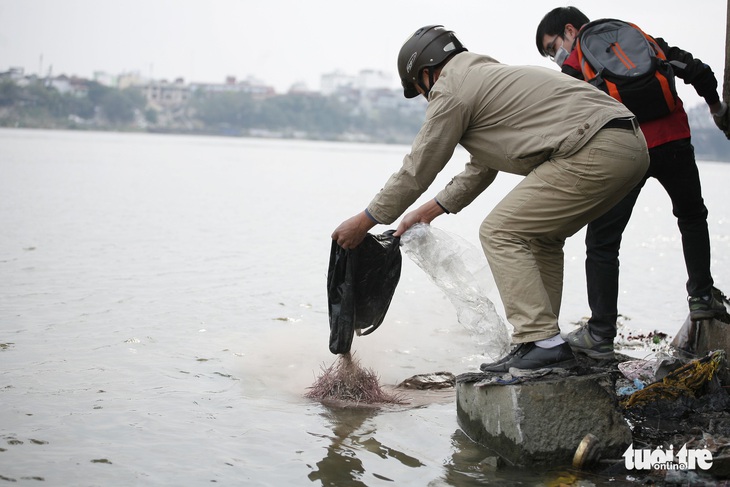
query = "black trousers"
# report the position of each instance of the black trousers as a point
(673, 165)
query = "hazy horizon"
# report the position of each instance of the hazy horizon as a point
(284, 42)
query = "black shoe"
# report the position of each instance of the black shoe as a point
(507, 357)
(530, 356)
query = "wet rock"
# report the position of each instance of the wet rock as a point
(541, 420)
(433, 381)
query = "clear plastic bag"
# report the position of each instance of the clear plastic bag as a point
(461, 271)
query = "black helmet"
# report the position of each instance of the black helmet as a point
(428, 46)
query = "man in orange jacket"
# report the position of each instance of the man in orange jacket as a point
(672, 163)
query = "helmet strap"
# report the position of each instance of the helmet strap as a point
(431, 81)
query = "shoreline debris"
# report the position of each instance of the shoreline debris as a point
(687, 380)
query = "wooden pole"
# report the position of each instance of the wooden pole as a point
(726, 82)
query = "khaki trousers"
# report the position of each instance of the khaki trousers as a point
(523, 236)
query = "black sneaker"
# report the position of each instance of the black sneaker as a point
(530, 356)
(582, 341)
(705, 307)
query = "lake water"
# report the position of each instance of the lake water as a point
(163, 311)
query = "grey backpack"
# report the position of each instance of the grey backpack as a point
(628, 64)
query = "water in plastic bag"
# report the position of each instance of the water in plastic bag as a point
(461, 271)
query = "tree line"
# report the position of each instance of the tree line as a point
(293, 115)
(304, 115)
(39, 106)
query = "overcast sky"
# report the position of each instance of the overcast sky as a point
(282, 42)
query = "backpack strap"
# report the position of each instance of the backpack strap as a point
(588, 72)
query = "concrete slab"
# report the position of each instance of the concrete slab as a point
(543, 421)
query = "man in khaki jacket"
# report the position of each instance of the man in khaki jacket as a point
(579, 150)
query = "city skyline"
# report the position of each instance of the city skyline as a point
(329, 82)
(284, 42)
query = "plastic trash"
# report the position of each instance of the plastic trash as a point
(360, 286)
(688, 336)
(461, 271)
(637, 385)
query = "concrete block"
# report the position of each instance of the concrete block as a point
(543, 421)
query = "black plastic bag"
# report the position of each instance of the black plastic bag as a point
(360, 285)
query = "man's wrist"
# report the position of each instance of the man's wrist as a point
(371, 217)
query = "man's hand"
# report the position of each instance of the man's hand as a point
(425, 214)
(352, 231)
(722, 119)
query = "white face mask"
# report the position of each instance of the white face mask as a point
(561, 56)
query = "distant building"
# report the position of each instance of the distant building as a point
(370, 79)
(13, 74)
(105, 79)
(251, 86)
(366, 80)
(301, 88)
(161, 94)
(120, 81)
(334, 82)
(133, 78)
(74, 86)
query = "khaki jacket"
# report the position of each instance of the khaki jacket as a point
(509, 118)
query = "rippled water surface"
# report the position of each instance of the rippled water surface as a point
(163, 311)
